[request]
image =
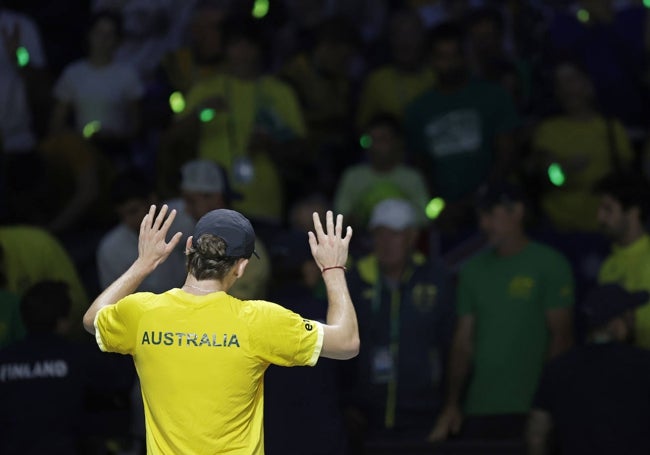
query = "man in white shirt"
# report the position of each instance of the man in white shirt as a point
(132, 196)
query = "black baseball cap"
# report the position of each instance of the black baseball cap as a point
(492, 194)
(233, 227)
(608, 301)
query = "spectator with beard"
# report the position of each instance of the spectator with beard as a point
(622, 213)
(594, 398)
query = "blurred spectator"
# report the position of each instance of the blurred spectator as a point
(42, 379)
(384, 174)
(404, 305)
(612, 45)
(32, 255)
(389, 88)
(45, 379)
(132, 196)
(514, 313)
(201, 56)
(595, 398)
(24, 91)
(100, 94)
(152, 29)
(320, 76)
(73, 203)
(205, 187)
(247, 121)
(489, 59)
(11, 326)
(286, 244)
(24, 66)
(77, 183)
(572, 150)
(290, 395)
(622, 214)
(303, 17)
(462, 131)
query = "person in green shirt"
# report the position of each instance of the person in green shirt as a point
(383, 175)
(621, 214)
(461, 132)
(514, 311)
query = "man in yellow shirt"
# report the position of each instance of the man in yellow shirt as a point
(31, 255)
(389, 88)
(200, 353)
(584, 143)
(622, 211)
(248, 121)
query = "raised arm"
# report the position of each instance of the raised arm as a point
(330, 251)
(152, 250)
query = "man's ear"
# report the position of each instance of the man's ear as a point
(240, 267)
(188, 244)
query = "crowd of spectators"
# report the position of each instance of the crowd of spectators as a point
(491, 156)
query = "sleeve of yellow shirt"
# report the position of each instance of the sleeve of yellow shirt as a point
(282, 337)
(115, 325)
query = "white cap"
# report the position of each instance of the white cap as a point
(397, 214)
(202, 175)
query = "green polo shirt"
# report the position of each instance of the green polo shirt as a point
(509, 297)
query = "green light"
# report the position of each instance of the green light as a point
(434, 208)
(91, 128)
(260, 8)
(646, 3)
(22, 56)
(583, 15)
(177, 102)
(556, 174)
(365, 141)
(206, 115)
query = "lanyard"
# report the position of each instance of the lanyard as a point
(394, 328)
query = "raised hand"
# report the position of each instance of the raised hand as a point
(327, 246)
(152, 247)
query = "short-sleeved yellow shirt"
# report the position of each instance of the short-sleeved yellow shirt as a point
(629, 266)
(225, 138)
(573, 205)
(201, 362)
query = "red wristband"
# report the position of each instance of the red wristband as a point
(334, 267)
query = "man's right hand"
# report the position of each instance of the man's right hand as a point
(448, 423)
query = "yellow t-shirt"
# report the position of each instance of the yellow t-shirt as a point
(32, 255)
(201, 363)
(226, 136)
(388, 91)
(630, 267)
(573, 205)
